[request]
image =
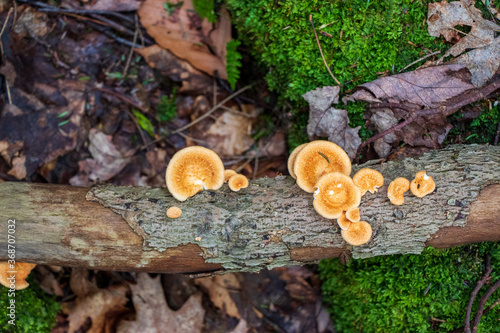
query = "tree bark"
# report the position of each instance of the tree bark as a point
(269, 224)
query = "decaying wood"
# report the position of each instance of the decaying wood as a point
(271, 223)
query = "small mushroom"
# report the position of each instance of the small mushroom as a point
(422, 184)
(368, 180)
(237, 182)
(343, 222)
(396, 190)
(335, 193)
(174, 212)
(20, 272)
(359, 233)
(319, 158)
(353, 215)
(192, 170)
(292, 158)
(228, 173)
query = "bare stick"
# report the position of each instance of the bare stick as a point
(425, 57)
(497, 135)
(125, 70)
(474, 292)
(227, 99)
(482, 303)
(123, 98)
(321, 51)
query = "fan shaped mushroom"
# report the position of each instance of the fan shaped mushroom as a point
(422, 184)
(353, 215)
(192, 170)
(237, 182)
(396, 190)
(174, 212)
(335, 193)
(15, 277)
(368, 180)
(228, 173)
(292, 158)
(319, 158)
(343, 222)
(359, 233)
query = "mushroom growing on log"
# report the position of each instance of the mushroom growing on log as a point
(271, 224)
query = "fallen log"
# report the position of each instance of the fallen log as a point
(271, 223)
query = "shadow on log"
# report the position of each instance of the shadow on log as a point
(271, 223)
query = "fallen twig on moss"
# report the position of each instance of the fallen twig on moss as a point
(321, 51)
(474, 292)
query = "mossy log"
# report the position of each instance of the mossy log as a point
(269, 224)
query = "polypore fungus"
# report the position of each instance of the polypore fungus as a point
(422, 184)
(353, 215)
(228, 173)
(192, 170)
(396, 190)
(237, 182)
(343, 222)
(335, 193)
(359, 233)
(292, 158)
(368, 180)
(174, 212)
(319, 158)
(15, 277)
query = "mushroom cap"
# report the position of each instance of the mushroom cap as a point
(396, 190)
(422, 184)
(336, 193)
(292, 158)
(174, 212)
(343, 222)
(319, 158)
(22, 269)
(237, 182)
(353, 215)
(358, 234)
(228, 173)
(193, 169)
(368, 180)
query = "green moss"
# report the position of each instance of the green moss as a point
(167, 107)
(402, 293)
(34, 309)
(480, 130)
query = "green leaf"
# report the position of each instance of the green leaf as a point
(205, 8)
(144, 123)
(233, 62)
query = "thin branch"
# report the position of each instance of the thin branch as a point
(123, 98)
(125, 70)
(474, 292)
(482, 303)
(497, 135)
(321, 51)
(424, 57)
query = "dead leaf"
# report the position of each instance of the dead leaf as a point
(103, 308)
(384, 119)
(80, 284)
(484, 58)
(47, 280)
(326, 121)
(30, 23)
(105, 5)
(230, 134)
(176, 69)
(220, 288)
(186, 35)
(153, 314)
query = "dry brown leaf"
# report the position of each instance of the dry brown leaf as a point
(80, 284)
(153, 314)
(103, 307)
(484, 58)
(384, 119)
(230, 134)
(220, 288)
(186, 35)
(327, 121)
(176, 69)
(47, 280)
(30, 23)
(105, 5)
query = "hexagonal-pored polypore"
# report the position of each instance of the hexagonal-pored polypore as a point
(359, 233)
(397, 189)
(228, 173)
(353, 215)
(292, 158)
(22, 270)
(368, 180)
(422, 184)
(174, 212)
(335, 193)
(343, 222)
(237, 182)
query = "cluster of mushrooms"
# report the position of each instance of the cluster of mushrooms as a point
(20, 271)
(323, 168)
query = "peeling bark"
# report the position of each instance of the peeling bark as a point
(271, 223)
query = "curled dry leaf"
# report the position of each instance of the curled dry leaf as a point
(220, 288)
(326, 121)
(105, 5)
(230, 134)
(185, 34)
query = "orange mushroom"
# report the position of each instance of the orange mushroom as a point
(359, 233)
(228, 174)
(343, 222)
(174, 212)
(14, 276)
(422, 184)
(292, 158)
(353, 215)
(396, 190)
(237, 182)
(368, 180)
(319, 158)
(335, 193)
(192, 170)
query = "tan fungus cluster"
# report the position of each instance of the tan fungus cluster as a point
(20, 271)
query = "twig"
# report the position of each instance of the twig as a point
(443, 109)
(474, 292)
(125, 70)
(211, 110)
(482, 303)
(112, 35)
(424, 57)
(123, 98)
(256, 164)
(6, 20)
(321, 51)
(1, 51)
(488, 309)
(134, 119)
(497, 135)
